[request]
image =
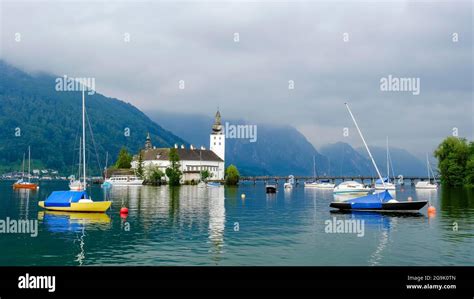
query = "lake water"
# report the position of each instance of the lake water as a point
(215, 226)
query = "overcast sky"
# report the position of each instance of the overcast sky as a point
(279, 41)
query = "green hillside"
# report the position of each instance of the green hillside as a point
(50, 121)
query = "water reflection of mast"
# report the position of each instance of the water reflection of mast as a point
(216, 221)
(81, 256)
(384, 238)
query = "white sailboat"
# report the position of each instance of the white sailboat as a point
(318, 184)
(351, 187)
(289, 185)
(75, 184)
(427, 184)
(386, 184)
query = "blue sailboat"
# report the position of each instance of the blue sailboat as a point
(382, 201)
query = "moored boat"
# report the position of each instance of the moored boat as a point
(291, 182)
(386, 185)
(124, 180)
(21, 183)
(351, 187)
(270, 188)
(76, 201)
(427, 184)
(381, 202)
(73, 201)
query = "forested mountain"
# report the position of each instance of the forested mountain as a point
(50, 121)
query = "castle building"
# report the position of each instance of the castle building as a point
(192, 160)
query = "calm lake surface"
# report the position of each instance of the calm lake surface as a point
(215, 226)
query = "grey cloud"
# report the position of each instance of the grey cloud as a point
(279, 41)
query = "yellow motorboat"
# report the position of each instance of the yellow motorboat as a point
(74, 201)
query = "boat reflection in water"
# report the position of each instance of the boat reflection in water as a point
(61, 222)
(57, 222)
(384, 222)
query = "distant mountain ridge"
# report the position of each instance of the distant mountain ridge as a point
(50, 122)
(345, 160)
(403, 162)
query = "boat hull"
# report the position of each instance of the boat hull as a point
(386, 207)
(25, 186)
(352, 191)
(270, 189)
(87, 207)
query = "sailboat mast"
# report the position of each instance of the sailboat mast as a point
(29, 163)
(314, 167)
(428, 168)
(23, 167)
(84, 136)
(106, 162)
(80, 159)
(365, 144)
(388, 165)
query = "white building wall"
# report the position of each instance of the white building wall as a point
(214, 167)
(217, 145)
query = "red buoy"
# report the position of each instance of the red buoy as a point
(431, 210)
(124, 210)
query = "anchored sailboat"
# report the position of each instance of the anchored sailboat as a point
(76, 184)
(386, 185)
(382, 202)
(76, 201)
(319, 184)
(21, 183)
(427, 184)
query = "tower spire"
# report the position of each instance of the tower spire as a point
(217, 126)
(148, 144)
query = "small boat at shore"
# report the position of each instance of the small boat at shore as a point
(21, 183)
(380, 202)
(124, 180)
(270, 188)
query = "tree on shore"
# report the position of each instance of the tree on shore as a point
(124, 159)
(456, 161)
(205, 174)
(173, 172)
(140, 170)
(232, 175)
(154, 175)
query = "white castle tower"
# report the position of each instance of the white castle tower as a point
(217, 140)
